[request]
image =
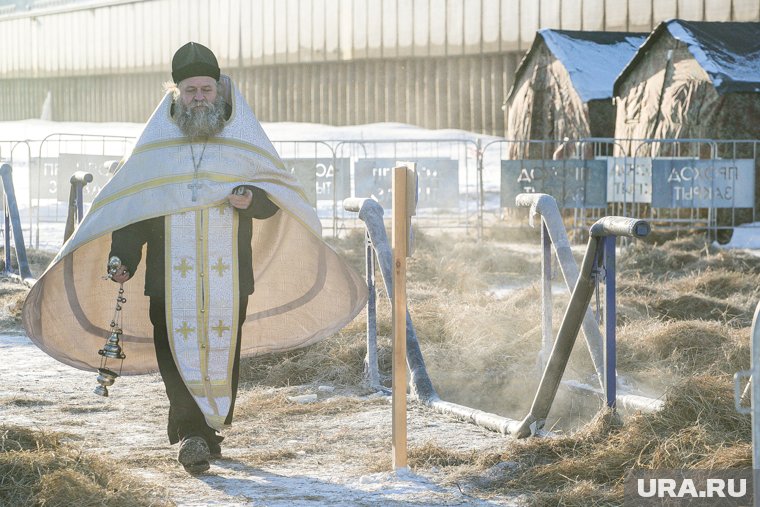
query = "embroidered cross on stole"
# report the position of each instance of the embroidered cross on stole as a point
(202, 304)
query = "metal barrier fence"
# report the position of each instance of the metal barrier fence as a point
(448, 171)
(42, 169)
(466, 183)
(19, 155)
(673, 183)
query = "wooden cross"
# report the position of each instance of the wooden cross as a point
(183, 267)
(221, 328)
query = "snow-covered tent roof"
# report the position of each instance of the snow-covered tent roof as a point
(592, 59)
(729, 52)
(563, 89)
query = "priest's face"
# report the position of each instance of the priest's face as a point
(199, 109)
(198, 90)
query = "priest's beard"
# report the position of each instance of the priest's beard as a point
(199, 118)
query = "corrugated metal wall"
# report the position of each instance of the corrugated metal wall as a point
(331, 61)
(440, 92)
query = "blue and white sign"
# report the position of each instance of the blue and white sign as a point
(53, 179)
(693, 183)
(629, 180)
(573, 183)
(438, 181)
(322, 178)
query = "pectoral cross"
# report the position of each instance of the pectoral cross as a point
(194, 186)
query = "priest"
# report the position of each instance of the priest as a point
(206, 201)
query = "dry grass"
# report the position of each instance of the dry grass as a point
(38, 469)
(683, 347)
(684, 308)
(38, 260)
(274, 407)
(684, 257)
(698, 429)
(339, 360)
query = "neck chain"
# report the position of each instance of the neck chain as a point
(195, 185)
(196, 165)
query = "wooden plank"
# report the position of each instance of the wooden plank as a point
(399, 246)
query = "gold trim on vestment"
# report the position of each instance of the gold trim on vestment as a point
(235, 143)
(208, 384)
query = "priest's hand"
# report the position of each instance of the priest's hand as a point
(121, 274)
(240, 200)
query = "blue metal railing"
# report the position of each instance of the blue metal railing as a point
(13, 220)
(78, 181)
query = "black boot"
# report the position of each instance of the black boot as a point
(194, 454)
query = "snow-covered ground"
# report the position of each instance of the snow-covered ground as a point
(329, 454)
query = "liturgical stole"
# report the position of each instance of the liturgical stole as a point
(202, 304)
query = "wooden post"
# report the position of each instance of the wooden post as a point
(399, 245)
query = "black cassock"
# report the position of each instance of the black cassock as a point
(185, 418)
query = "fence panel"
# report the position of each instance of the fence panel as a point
(325, 177)
(675, 184)
(19, 155)
(449, 194)
(59, 156)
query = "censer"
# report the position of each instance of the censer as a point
(112, 349)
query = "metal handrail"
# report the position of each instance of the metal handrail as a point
(545, 206)
(371, 213)
(600, 245)
(78, 181)
(12, 219)
(753, 389)
(421, 387)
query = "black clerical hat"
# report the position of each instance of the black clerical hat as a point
(192, 60)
